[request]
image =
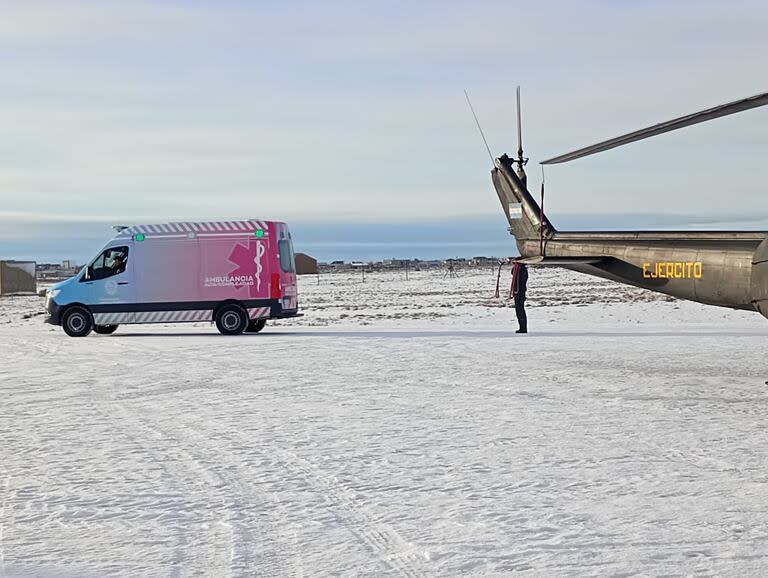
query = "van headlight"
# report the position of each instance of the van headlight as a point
(52, 293)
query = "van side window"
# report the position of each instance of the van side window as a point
(285, 248)
(111, 262)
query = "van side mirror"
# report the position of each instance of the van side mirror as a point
(88, 273)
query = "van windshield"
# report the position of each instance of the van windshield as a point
(285, 247)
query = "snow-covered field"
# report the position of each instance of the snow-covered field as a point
(400, 428)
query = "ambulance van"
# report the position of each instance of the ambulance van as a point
(236, 274)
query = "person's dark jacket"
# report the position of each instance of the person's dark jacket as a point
(520, 281)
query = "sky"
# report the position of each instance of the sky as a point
(350, 116)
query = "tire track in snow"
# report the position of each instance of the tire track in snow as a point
(274, 558)
(380, 537)
(140, 432)
(283, 559)
(6, 496)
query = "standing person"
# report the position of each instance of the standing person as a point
(519, 287)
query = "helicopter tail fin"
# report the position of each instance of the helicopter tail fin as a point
(522, 211)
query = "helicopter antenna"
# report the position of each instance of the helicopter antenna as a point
(477, 122)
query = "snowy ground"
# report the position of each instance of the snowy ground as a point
(400, 428)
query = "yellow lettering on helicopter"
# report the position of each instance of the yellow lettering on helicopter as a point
(673, 270)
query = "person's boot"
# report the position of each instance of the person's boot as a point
(522, 330)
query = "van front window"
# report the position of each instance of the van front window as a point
(111, 262)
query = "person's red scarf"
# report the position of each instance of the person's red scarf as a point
(515, 277)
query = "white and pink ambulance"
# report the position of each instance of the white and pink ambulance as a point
(237, 274)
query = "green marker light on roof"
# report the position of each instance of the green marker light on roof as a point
(259, 233)
(138, 237)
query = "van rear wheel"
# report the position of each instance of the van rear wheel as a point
(231, 319)
(256, 325)
(105, 329)
(77, 321)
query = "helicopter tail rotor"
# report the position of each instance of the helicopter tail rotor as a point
(521, 160)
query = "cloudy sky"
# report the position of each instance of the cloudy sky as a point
(118, 111)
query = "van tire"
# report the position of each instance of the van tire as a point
(256, 325)
(77, 321)
(105, 329)
(231, 319)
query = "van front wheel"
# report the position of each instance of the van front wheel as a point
(77, 321)
(231, 319)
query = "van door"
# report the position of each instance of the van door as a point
(109, 286)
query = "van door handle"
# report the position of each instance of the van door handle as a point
(122, 283)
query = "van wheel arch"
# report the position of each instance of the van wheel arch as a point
(68, 306)
(227, 302)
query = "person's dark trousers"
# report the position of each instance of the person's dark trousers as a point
(522, 318)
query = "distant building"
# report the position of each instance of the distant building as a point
(456, 261)
(484, 261)
(306, 265)
(392, 263)
(49, 272)
(17, 277)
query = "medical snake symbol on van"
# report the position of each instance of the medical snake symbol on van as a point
(260, 250)
(249, 266)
